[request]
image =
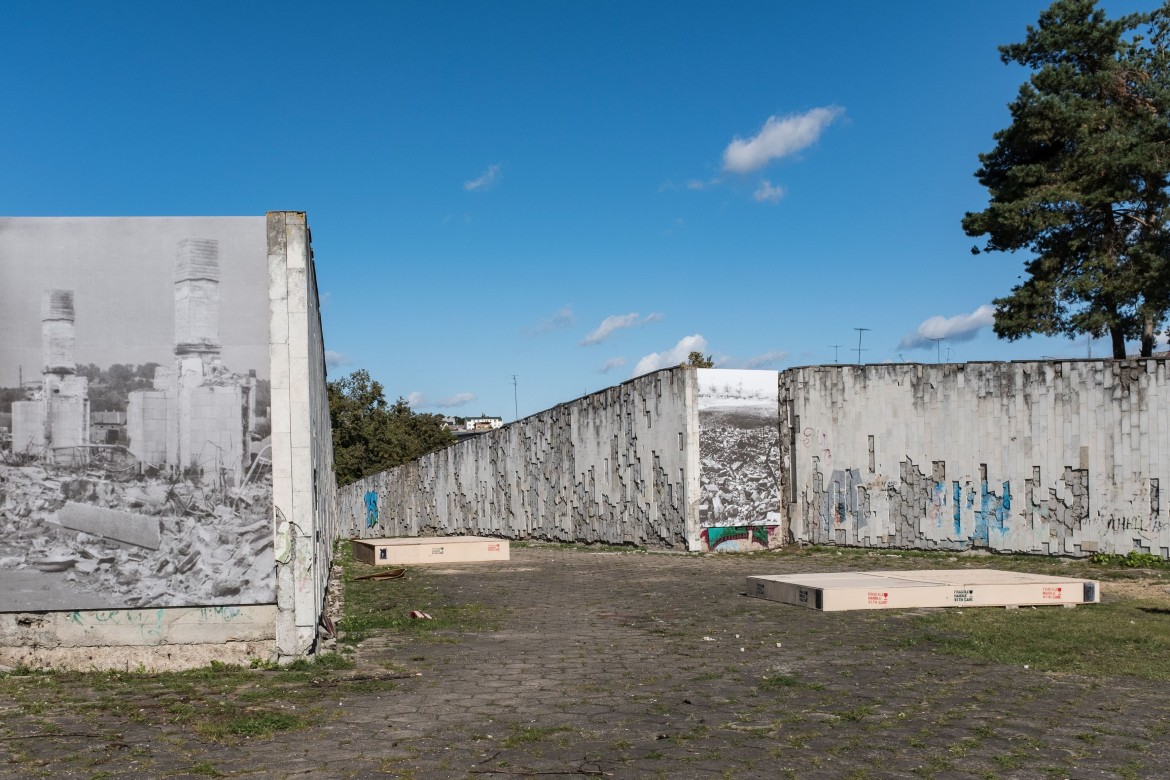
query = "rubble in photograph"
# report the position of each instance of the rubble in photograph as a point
(150, 541)
(738, 475)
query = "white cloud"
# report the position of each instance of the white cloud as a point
(770, 359)
(417, 400)
(563, 318)
(961, 327)
(335, 359)
(689, 184)
(486, 180)
(459, 399)
(671, 357)
(616, 322)
(611, 364)
(779, 137)
(613, 322)
(766, 193)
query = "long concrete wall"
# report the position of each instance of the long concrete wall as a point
(1062, 458)
(619, 466)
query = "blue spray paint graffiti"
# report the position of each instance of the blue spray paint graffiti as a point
(991, 505)
(957, 494)
(371, 509)
(939, 500)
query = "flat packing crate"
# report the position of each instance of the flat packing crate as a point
(932, 588)
(417, 550)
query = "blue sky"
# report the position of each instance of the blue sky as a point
(564, 192)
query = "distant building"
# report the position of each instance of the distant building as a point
(108, 427)
(483, 423)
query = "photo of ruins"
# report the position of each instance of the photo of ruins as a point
(135, 451)
(739, 452)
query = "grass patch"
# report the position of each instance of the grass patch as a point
(373, 606)
(778, 682)
(219, 702)
(521, 735)
(1129, 638)
(247, 725)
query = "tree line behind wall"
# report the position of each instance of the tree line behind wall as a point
(371, 435)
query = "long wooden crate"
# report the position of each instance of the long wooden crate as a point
(417, 550)
(833, 592)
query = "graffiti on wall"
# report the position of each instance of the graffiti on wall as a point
(371, 509)
(741, 538)
(934, 511)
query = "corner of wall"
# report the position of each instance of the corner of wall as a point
(304, 490)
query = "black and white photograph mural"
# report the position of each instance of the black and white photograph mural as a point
(739, 458)
(135, 464)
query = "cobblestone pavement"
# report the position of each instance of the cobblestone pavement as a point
(631, 665)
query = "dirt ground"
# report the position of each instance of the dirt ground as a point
(630, 665)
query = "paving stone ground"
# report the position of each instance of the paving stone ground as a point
(633, 665)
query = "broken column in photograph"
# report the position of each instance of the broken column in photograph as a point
(199, 415)
(54, 425)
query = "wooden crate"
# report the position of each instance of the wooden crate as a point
(833, 592)
(417, 550)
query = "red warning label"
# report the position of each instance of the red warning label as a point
(493, 548)
(1053, 593)
(878, 597)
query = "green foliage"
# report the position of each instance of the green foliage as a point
(778, 682)
(371, 436)
(109, 389)
(1080, 177)
(1132, 560)
(699, 360)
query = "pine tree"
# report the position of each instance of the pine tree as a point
(1080, 178)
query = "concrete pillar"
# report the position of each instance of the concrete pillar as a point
(57, 333)
(197, 297)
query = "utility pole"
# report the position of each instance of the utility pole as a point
(515, 400)
(835, 348)
(860, 331)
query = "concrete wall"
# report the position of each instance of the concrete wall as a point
(155, 639)
(304, 487)
(619, 466)
(1046, 457)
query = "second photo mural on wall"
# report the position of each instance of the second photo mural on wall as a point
(135, 464)
(739, 458)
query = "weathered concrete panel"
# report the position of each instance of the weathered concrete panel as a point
(619, 466)
(154, 639)
(1047, 457)
(304, 486)
(122, 526)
